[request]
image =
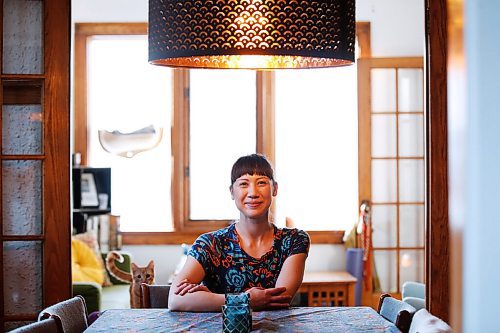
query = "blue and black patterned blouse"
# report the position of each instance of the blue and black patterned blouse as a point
(229, 269)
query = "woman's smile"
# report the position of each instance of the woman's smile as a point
(253, 204)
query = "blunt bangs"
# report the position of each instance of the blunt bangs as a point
(254, 164)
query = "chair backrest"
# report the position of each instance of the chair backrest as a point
(413, 289)
(396, 311)
(73, 314)
(424, 322)
(50, 325)
(154, 296)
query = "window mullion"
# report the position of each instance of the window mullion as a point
(265, 114)
(180, 149)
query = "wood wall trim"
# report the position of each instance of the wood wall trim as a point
(88, 29)
(364, 131)
(437, 233)
(80, 98)
(171, 238)
(402, 62)
(363, 33)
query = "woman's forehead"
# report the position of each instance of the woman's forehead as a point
(254, 176)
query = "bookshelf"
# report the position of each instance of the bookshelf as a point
(89, 184)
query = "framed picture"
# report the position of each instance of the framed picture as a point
(88, 190)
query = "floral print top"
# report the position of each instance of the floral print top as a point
(229, 269)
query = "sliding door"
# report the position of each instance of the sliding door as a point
(35, 228)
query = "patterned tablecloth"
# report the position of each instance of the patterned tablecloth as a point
(304, 319)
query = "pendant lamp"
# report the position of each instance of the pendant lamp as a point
(251, 34)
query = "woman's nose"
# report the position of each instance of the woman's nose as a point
(252, 191)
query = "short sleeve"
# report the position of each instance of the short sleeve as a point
(202, 250)
(300, 243)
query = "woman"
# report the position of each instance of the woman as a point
(251, 255)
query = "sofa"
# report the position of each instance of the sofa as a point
(100, 298)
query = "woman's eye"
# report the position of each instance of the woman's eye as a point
(243, 184)
(262, 182)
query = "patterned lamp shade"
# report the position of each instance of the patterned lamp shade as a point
(252, 34)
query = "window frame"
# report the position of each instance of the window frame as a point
(186, 230)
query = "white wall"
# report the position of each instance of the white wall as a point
(481, 248)
(397, 26)
(397, 30)
(322, 257)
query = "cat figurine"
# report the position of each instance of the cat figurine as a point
(135, 278)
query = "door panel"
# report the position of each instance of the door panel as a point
(35, 227)
(391, 168)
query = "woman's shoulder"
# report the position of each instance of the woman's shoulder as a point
(217, 235)
(292, 232)
(294, 240)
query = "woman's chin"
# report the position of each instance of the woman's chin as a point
(252, 215)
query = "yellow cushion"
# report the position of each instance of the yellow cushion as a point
(84, 263)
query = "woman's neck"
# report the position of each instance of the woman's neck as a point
(255, 238)
(255, 229)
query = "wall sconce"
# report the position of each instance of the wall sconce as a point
(251, 34)
(130, 144)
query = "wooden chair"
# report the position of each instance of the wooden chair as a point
(154, 296)
(72, 312)
(396, 311)
(50, 325)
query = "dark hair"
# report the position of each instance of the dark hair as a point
(254, 164)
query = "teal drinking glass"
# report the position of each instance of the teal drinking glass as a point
(237, 314)
(236, 319)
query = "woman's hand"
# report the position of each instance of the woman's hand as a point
(271, 298)
(184, 287)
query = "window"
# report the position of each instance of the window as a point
(126, 94)
(222, 126)
(304, 121)
(317, 147)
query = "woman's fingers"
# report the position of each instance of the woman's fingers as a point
(276, 291)
(279, 305)
(182, 282)
(281, 299)
(181, 288)
(185, 287)
(198, 287)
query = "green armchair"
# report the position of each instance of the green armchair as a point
(99, 298)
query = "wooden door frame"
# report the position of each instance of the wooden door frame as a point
(56, 195)
(437, 231)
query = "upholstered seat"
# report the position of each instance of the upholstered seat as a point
(154, 296)
(72, 312)
(396, 311)
(413, 293)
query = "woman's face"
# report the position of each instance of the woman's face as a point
(253, 195)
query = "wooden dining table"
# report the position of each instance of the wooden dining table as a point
(295, 319)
